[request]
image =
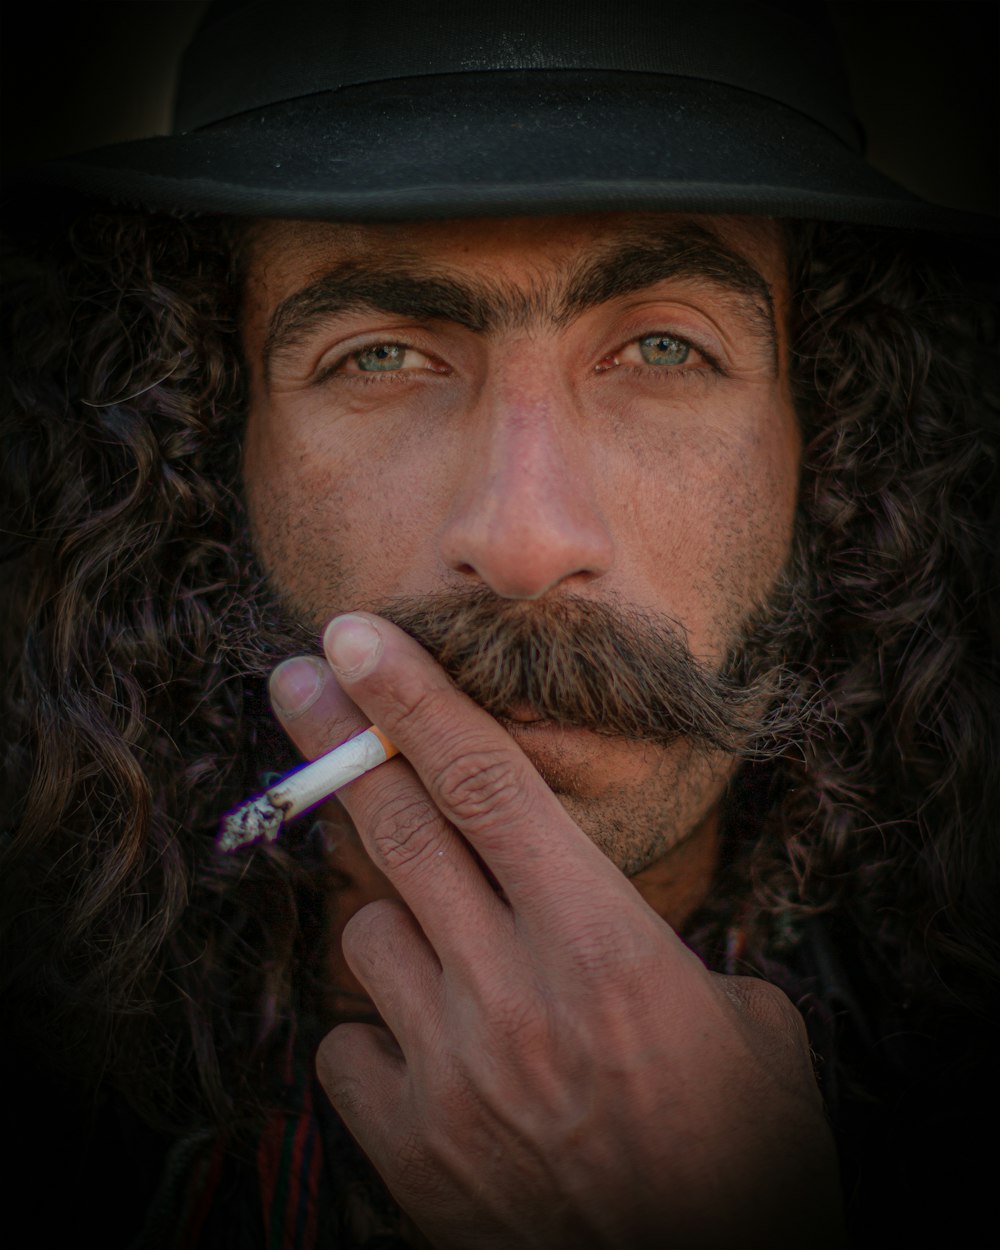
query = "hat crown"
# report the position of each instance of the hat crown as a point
(436, 109)
(251, 54)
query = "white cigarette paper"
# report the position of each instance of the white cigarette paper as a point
(263, 816)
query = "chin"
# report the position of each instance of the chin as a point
(635, 801)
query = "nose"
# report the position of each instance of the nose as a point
(527, 517)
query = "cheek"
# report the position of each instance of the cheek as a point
(337, 522)
(715, 514)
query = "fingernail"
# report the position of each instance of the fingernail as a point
(352, 645)
(296, 684)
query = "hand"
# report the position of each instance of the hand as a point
(558, 1069)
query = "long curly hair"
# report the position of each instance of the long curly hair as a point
(135, 648)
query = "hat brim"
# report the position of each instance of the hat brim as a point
(510, 143)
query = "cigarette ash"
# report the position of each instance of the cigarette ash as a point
(257, 818)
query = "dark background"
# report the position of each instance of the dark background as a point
(924, 75)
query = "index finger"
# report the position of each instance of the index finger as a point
(478, 777)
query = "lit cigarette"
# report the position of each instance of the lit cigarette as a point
(263, 816)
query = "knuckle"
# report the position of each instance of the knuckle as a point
(769, 1009)
(332, 728)
(355, 1064)
(412, 703)
(346, 1094)
(372, 927)
(337, 1067)
(477, 784)
(772, 1004)
(407, 832)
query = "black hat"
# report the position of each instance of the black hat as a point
(412, 109)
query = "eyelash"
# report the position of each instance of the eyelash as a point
(661, 373)
(332, 370)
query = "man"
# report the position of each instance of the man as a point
(652, 516)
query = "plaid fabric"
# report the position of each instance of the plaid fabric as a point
(289, 1167)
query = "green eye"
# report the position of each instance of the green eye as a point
(659, 349)
(381, 358)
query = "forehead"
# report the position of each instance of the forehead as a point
(283, 256)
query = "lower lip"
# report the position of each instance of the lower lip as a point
(521, 714)
(567, 757)
(581, 764)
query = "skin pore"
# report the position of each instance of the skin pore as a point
(590, 406)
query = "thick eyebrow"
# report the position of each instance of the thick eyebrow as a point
(627, 266)
(692, 252)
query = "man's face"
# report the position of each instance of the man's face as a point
(589, 407)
